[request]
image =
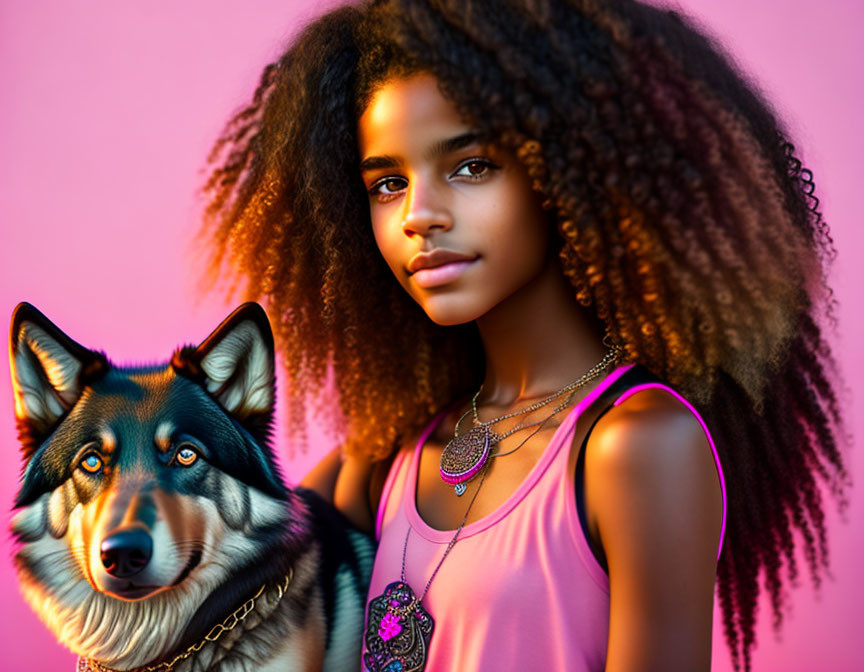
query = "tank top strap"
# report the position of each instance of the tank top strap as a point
(636, 378)
(402, 459)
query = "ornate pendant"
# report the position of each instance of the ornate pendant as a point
(398, 631)
(464, 456)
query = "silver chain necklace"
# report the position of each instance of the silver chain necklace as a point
(464, 455)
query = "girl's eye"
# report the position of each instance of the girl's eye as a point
(475, 169)
(186, 456)
(388, 186)
(91, 464)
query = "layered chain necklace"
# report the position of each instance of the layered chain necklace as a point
(398, 628)
(465, 455)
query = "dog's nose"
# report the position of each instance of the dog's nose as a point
(126, 553)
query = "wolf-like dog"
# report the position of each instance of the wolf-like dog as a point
(154, 530)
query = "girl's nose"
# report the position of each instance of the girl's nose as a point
(425, 213)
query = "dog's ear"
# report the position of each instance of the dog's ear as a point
(235, 363)
(49, 373)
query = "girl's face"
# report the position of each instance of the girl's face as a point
(454, 216)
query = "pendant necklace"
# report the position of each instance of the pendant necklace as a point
(465, 455)
(399, 628)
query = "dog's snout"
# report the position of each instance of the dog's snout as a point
(126, 553)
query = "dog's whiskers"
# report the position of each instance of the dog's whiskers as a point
(58, 562)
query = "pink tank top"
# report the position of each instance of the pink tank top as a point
(521, 589)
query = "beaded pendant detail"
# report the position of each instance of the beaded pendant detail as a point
(398, 631)
(464, 456)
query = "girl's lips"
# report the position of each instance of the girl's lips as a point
(441, 275)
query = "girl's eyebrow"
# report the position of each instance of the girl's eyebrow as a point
(438, 149)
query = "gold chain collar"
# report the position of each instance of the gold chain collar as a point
(231, 622)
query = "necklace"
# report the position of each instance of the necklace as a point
(464, 456)
(234, 619)
(399, 628)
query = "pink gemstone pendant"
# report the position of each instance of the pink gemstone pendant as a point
(389, 627)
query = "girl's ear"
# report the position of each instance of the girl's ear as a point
(49, 372)
(235, 363)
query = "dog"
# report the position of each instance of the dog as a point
(153, 529)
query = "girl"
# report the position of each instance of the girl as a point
(567, 274)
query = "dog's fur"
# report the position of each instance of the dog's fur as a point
(102, 447)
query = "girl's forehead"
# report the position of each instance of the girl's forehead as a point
(405, 113)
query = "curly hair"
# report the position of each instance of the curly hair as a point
(685, 221)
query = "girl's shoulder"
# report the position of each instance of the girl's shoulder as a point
(651, 467)
(645, 423)
(651, 429)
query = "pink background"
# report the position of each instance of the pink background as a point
(106, 115)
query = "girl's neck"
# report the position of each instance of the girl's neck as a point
(538, 340)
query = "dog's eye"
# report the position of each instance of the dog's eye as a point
(91, 464)
(186, 456)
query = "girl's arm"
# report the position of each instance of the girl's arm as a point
(652, 489)
(352, 484)
(322, 477)
(351, 495)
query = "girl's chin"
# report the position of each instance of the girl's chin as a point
(449, 321)
(450, 311)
